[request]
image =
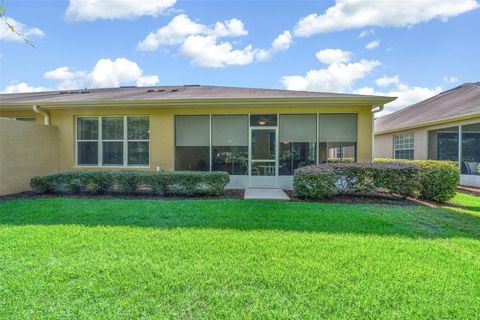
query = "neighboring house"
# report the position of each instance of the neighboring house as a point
(444, 127)
(259, 136)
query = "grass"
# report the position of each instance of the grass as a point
(125, 259)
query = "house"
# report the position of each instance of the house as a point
(444, 127)
(260, 136)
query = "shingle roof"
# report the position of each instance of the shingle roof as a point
(462, 100)
(186, 92)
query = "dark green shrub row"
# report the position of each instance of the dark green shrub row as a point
(439, 180)
(328, 179)
(183, 183)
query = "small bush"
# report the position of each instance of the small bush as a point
(128, 181)
(187, 183)
(314, 182)
(439, 179)
(97, 182)
(326, 180)
(41, 184)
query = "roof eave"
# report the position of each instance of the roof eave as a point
(431, 123)
(189, 103)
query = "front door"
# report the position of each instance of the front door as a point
(263, 166)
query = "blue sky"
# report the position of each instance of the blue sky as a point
(423, 47)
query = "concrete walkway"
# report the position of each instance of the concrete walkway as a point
(265, 193)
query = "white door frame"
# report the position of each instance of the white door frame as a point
(262, 181)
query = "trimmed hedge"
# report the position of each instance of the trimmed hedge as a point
(184, 183)
(439, 179)
(325, 180)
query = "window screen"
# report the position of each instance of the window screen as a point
(337, 127)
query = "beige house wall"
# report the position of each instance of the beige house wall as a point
(384, 142)
(162, 128)
(162, 131)
(26, 150)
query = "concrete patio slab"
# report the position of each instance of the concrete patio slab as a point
(266, 194)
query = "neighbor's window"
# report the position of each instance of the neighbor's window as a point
(337, 137)
(403, 146)
(113, 141)
(443, 144)
(297, 135)
(230, 144)
(471, 149)
(192, 143)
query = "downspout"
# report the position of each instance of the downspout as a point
(375, 109)
(44, 113)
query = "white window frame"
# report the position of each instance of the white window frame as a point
(404, 144)
(100, 141)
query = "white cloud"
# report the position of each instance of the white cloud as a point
(337, 77)
(114, 73)
(230, 28)
(353, 14)
(329, 56)
(181, 26)
(280, 43)
(147, 81)
(66, 78)
(372, 45)
(8, 35)
(387, 81)
(365, 33)
(407, 95)
(105, 73)
(450, 79)
(90, 10)
(203, 44)
(206, 52)
(22, 87)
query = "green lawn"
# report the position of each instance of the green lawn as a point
(128, 259)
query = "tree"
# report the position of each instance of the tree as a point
(12, 27)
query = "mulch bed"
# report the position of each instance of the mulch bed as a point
(374, 198)
(229, 194)
(469, 190)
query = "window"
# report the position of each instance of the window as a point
(192, 143)
(471, 149)
(297, 136)
(443, 144)
(230, 144)
(113, 141)
(337, 136)
(403, 146)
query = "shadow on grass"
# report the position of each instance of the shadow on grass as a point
(404, 221)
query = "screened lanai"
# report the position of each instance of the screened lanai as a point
(263, 149)
(458, 143)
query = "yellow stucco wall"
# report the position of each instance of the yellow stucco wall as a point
(162, 127)
(26, 150)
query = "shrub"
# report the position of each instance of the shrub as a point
(128, 181)
(188, 183)
(326, 180)
(97, 182)
(439, 179)
(314, 182)
(41, 184)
